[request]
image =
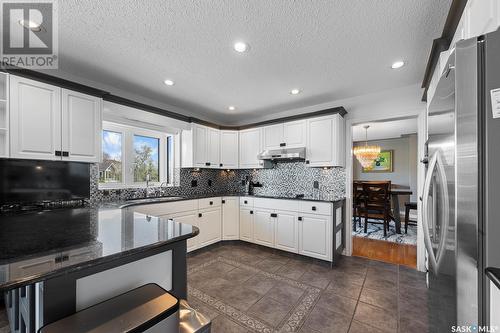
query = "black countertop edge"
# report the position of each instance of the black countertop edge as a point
(129, 203)
(494, 274)
(156, 247)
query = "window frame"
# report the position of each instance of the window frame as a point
(128, 154)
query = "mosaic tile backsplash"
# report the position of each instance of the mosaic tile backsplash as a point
(285, 179)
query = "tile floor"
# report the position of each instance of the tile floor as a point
(246, 288)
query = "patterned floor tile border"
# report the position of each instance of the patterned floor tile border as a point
(291, 323)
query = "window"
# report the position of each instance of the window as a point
(110, 169)
(132, 155)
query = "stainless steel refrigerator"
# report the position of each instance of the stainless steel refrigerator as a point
(461, 196)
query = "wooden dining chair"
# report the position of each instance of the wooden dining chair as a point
(377, 204)
(357, 201)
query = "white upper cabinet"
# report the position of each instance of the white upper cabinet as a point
(81, 120)
(250, 147)
(481, 16)
(35, 119)
(51, 123)
(200, 147)
(229, 149)
(294, 134)
(289, 135)
(325, 141)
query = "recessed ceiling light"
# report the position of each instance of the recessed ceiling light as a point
(168, 82)
(240, 47)
(398, 64)
(232, 108)
(33, 26)
(295, 91)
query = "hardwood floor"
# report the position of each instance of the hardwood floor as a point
(390, 252)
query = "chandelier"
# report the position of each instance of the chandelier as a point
(366, 154)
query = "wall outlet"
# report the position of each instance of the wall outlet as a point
(194, 183)
(316, 184)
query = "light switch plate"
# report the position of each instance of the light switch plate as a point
(495, 102)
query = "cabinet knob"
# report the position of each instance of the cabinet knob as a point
(223, 201)
(221, 165)
(200, 214)
(251, 212)
(207, 163)
(282, 144)
(65, 153)
(307, 162)
(58, 153)
(245, 202)
(211, 202)
(314, 208)
(300, 218)
(274, 215)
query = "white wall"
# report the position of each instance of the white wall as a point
(404, 163)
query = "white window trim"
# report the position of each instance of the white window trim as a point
(128, 133)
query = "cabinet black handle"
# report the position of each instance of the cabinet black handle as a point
(283, 144)
(221, 165)
(314, 208)
(58, 153)
(207, 163)
(223, 201)
(251, 212)
(211, 202)
(65, 153)
(245, 202)
(307, 162)
(274, 215)
(200, 214)
(300, 218)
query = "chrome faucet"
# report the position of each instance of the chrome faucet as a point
(148, 188)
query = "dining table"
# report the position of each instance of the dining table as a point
(395, 193)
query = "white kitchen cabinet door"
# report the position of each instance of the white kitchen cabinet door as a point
(250, 147)
(35, 119)
(481, 17)
(246, 224)
(230, 218)
(200, 153)
(263, 232)
(229, 149)
(209, 222)
(81, 127)
(213, 147)
(273, 136)
(286, 231)
(190, 218)
(325, 141)
(294, 134)
(315, 236)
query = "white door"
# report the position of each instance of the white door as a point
(294, 134)
(263, 232)
(246, 225)
(35, 119)
(200, 155)
(250, 147)
(230, 218)
(229, 149)
(315, 236)
(190, 218)
(273, 136)
(213, 147)
(210, 226)
(319, 141)
(81, 127)
(286, 231)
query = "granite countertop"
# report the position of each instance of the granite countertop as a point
(35, 246)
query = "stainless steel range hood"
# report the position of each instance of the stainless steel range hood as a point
(283, 154)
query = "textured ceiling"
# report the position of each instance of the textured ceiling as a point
(331, 49)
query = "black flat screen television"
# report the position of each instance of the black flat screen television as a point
(23, 181)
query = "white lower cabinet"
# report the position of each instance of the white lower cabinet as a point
(230, 218)
(315, 236)
(190, 218)
(246, 224)
(263, 232)
(286, 231)
(209, 223)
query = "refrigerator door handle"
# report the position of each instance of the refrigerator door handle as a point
(435, 164)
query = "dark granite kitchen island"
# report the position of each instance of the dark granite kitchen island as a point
(55, 262)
